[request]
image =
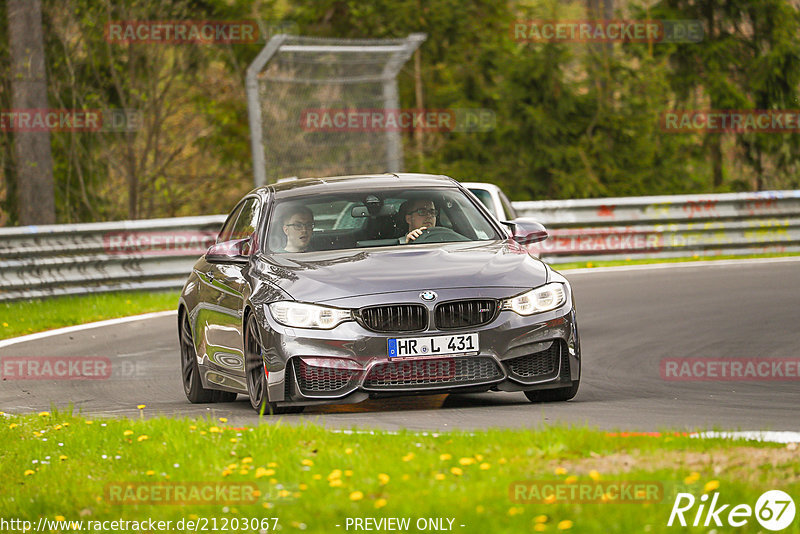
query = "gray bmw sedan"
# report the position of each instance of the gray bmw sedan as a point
(334, 290)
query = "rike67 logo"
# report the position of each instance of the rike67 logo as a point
(774, 510)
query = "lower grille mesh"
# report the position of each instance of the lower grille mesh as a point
(433, 372)
(322, 379)
(535, 365)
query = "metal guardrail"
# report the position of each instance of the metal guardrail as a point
(40, 261)
(667, 226)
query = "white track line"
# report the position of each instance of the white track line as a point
(678, 265)
(757, 435)
(87, 326)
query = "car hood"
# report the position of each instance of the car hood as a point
(322, 276)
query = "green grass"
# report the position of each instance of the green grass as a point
(28, 316)
(617, 263)
(465, 476)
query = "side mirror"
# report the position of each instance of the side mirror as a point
(527, 232)
(236, 251)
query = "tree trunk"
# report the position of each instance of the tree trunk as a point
(34, 164)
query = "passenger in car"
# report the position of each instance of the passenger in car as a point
(298, 226)
(420, 214)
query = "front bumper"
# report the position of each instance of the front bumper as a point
(350, 363)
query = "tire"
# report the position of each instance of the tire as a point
(190, 372)
(554, 395)
(256, 375)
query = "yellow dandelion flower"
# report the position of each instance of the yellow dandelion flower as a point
(284, 493)
(150, 473)
(335, 483)
(59, 518)
(336, 473)
(307, 461)
(62, 457)
(539, 527)
(383, 479)
(485, 466)
(214, 430)
(446, 456)
(272, 464)
(5, 324)
(234, 440)
(143, 437)
(28, 472)
(406, 477)
(247, 460)
(127, 433)
(439, 476)
(560, 471)
(13, 425)
(478, 457)
(57, 427)
(192, 427)
(193, 516)
(243, 471)
(226, 472)
(302, 487)
(223, 419)
(380, 503)
(267, 505)
(348, 450)
(466, 461)
(594, 475)
(457, 471)
(564, 525)
(297, 494)
(141, 406)
(232, 466)
(571, 479)
(550, 499)
(515, 510)
(408, 457)
(693, 477)
(540, 519)
(44, 414)
(273, 481)
(317, 476)
(89, 422)
(356, 496)
(711, 485)
(502, 461)
(203, 432)
(261, 472)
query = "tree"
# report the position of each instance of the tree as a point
(32, 155)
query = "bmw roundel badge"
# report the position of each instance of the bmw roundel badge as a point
(428, 296)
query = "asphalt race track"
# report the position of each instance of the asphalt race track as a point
(629, 320)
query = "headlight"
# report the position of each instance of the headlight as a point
(542, 299)
(299, 315)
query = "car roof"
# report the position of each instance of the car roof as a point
(357, 182)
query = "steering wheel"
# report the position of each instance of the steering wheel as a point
(439, 234)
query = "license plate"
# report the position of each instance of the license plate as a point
(432, 346)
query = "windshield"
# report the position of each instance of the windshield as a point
(374, 219)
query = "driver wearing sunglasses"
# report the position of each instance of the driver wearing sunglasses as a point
(421, 215)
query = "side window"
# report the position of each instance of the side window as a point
(511, 214)
(247, 221)
(227, 228)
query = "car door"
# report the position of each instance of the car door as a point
(223, 294)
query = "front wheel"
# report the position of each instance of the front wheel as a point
(554, 395)
(257, 374)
